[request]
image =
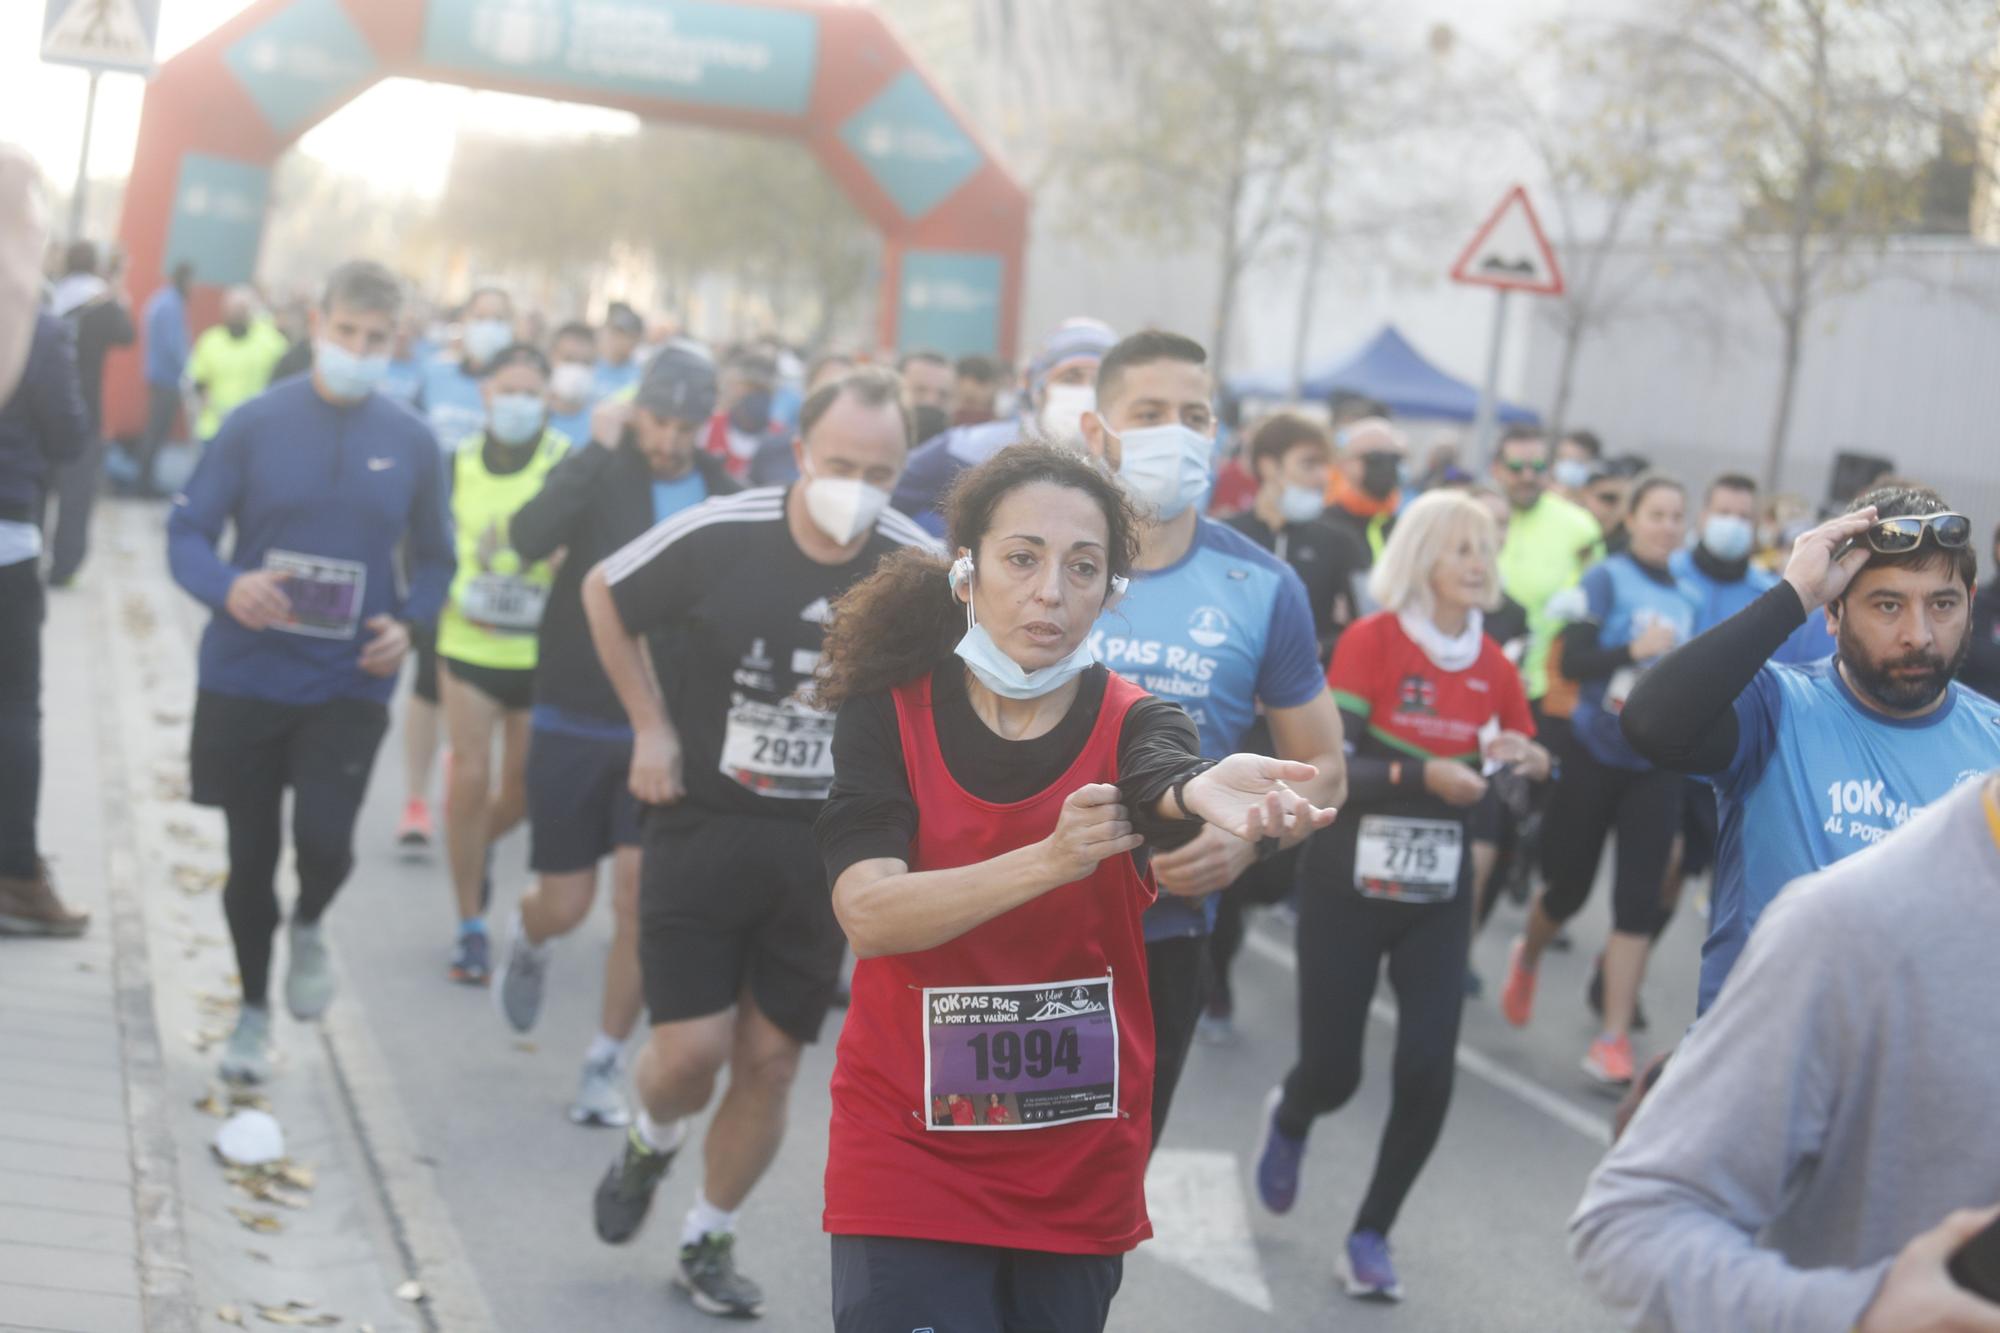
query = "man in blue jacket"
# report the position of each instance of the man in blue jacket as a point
(322, 479)
(42, 427)
(167, 346)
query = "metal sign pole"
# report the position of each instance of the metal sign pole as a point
(79, 196)
(1489, 391)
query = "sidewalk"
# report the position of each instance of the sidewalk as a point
(114, 1213)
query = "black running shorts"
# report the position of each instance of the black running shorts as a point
(734, 901)
(580, 806)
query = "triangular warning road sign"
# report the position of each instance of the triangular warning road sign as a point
(1510, 251)
(102, 34)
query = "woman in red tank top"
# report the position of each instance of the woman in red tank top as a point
(995, 794)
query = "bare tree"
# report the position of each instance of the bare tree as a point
(1219, 109)
(1821, 114)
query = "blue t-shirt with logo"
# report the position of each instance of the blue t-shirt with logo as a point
(615, 379)
(1219, 631)
(1625, 598)
(1817, 776)
(452, 403)
(1721, 599)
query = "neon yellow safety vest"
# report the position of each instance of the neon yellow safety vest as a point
(495, 608)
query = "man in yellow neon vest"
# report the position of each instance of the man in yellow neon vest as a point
(232, 361)
(486, 636)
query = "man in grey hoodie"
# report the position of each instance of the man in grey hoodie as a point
(1814, 1152)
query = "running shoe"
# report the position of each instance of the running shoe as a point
(524, 974)
(1370, 1275)
(246, 1058)
(600, 1095)
(1609, 1062)
(309, 974)
(1278, 1159)
(31, 907)
(1594, 997)
(708, 1271)
(414, 830)
(1517, 995)
(472, 959)
(626, 1192)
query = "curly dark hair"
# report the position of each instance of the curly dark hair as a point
(901, 621)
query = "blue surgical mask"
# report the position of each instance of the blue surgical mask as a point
(516, 418)
(1001, 673)
(1571, 474)
(1301, 504)
(346, 376)
(1728, 537)
(1165, 467)
(485, 338)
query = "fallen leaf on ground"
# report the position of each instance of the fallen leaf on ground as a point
(193, 880)
(168, 718)
(298, 1314)
(229, 1314)
(259, 1256)
(252, 1220)
(411, 1291)
(526, 1047)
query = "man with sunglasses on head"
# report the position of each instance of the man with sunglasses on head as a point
(1813, 763)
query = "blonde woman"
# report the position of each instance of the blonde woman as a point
(1429, 701)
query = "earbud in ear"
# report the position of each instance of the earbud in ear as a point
(961, 572)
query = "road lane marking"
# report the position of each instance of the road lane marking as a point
(1201, 1224)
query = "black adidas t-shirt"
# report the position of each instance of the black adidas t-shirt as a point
(748, 611)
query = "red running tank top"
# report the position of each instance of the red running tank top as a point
(1076, 1187)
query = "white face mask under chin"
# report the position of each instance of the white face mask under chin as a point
(843, 507)
(1002, 674)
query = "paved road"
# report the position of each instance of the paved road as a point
(1480, 1244)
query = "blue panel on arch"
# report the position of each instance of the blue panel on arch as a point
(949, 302)
(912, 145)
(218, 218)
(306, 60)
(744, 57)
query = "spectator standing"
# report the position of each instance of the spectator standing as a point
(99, 320)
(167, 350)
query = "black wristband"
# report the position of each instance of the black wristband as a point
(1179, 789)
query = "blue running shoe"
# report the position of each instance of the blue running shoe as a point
(1370, 1276)
(1278, 1160)
(471, 960)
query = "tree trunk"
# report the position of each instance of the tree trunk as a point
(1781, 418)
(1225, 296)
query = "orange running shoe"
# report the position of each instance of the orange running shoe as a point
(1609, 1062)
(414, 832)
(1517, 997)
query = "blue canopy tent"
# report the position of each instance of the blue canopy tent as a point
(1392, 372)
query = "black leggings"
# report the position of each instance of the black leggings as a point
(245, 753)
(1591, 799)
(1262, 885)
(1342, 941)
(1177, 984)
(885, 1284)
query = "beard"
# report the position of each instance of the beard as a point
(1879, 681)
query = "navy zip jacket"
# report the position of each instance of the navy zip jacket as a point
(42, 426)
(328, 493)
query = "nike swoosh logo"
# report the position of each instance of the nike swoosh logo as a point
(381, 464)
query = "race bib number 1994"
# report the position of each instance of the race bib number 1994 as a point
(1020, 1057)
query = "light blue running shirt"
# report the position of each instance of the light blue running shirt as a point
(1219, 631)
(1817, 776)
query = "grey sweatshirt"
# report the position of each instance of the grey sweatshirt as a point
(1838, 1100)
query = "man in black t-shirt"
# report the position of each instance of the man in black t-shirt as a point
(739, 949)
(1290, 456)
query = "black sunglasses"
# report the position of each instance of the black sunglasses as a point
(1899, 536)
